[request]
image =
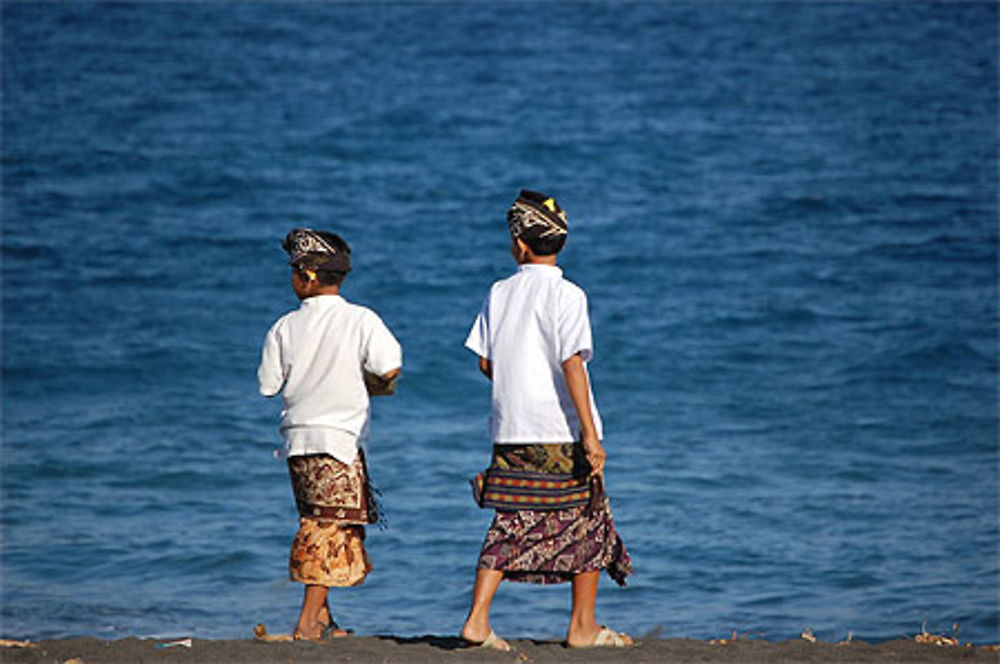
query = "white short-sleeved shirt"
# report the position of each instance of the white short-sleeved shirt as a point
(314, 356)
(530, 323)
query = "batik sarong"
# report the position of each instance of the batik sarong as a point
(552, 545)
(334, 502)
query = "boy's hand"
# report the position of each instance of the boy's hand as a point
(381, 386)
(595, 454)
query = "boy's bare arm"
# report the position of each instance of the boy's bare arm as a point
(486, 367)
(579, 391)
(381, 386)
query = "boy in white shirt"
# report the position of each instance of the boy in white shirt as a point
(324, 358)
(553, 522)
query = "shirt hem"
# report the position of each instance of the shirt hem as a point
(542, 441)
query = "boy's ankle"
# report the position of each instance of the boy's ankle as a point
(475, 631)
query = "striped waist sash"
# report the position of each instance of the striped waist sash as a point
(512, 489)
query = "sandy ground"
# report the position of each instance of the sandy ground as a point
(391, 650)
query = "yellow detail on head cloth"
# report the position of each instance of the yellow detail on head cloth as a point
(550, 204)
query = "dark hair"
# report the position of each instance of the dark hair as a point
(327, 277)
(544, 246)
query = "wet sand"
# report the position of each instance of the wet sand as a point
(428, 649)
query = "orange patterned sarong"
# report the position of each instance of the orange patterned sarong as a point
(334, 502)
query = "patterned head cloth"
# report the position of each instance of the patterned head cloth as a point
(536, 216)
(308, 249)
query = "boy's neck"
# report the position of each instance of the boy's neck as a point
(320, 290)
(540, 260)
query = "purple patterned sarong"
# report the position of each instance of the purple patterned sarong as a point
(551, 546)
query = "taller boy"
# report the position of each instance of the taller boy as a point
(553, 522)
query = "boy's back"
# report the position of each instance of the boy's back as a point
(530, 324)
(315, 357)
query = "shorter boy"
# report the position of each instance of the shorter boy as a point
(320, 357)
(553, 522)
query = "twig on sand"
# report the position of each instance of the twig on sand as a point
(734, 637)
(11, 643)
(937, 639)
(260, 632)
(722, 642)
(811, 638)
(924, 637)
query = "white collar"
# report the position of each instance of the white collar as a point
(323, 300)
(551, 270)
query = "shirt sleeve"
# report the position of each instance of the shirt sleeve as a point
(270, 377)
(382, 351)
(478, 340)
(574, 327)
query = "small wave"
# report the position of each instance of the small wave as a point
(947, 352)
(935, 358)
(175, 480)
(937, 247)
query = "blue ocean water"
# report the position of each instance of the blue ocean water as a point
(784, 214)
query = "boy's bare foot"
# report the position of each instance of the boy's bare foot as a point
(483, 636)
(311, 632)
(476, 631)
(333, 631)
(604, 637)
(321, 632)
(492, 641)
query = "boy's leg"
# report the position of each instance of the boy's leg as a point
(477, 624)
(583, 627)
(310, 625)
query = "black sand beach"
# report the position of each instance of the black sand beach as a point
(392, 650)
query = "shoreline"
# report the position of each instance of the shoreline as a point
(428, 649)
